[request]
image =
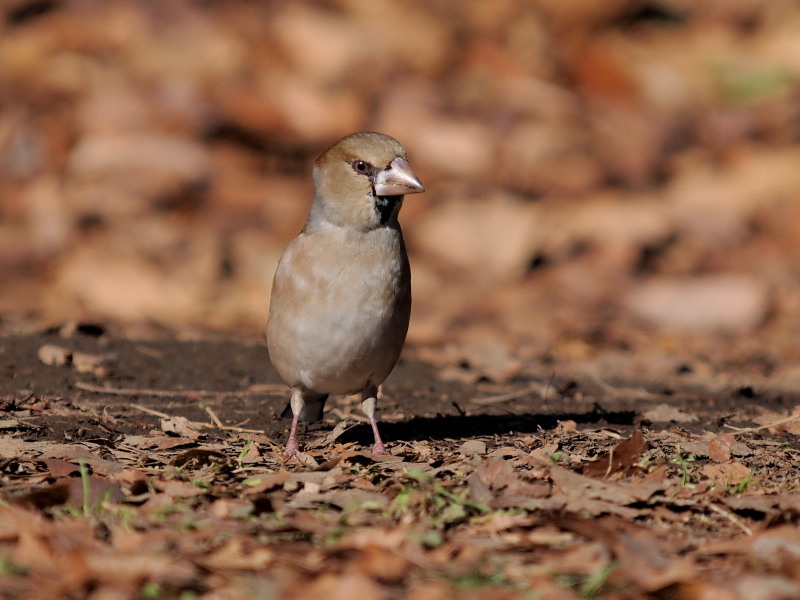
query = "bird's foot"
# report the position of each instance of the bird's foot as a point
(292, 449)
(378, 448)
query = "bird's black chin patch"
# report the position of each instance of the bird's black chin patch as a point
(386, 206)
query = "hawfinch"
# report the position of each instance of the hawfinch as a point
(341, 297)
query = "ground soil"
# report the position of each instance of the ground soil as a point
(556, 483)
(230, 375)
(600, 392)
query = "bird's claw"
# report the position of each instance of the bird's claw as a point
(292, 449)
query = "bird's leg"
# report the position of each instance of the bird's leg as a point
(292, 449)
(297, 403)
(369, 399)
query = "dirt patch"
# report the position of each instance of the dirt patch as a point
(235, 380)
(167, 453)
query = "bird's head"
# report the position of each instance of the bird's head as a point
(360, 181)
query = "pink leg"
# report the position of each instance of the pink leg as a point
(377, 447)
(368, 402)
(292, 449)
(297, 403)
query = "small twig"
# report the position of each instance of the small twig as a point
(214, 417)
(536, 388)
(623, 392)
(461, 411)
(216, 424)
(155, 413)
(603, 433)
(784, 421)
(27, 424)
(236, 429)
(349, 415)
(610, 463)
(260, 390)
(220, 425)
(732, 518)
(340, 428)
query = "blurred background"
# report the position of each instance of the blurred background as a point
(602, 175)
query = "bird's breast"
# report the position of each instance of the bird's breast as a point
(339, 310)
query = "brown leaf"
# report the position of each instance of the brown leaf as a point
(726, 473)
(347, 500)
(231, 508)
(339, 429)
(582, 559)
(695, 447)
(381, 563)
(53, 355)
(566, 425)
(180, 426)
(782, 422)
(61, 468)
(101, 490)
(640, 557)
(713, 302)
(624, 457)
(657, 475)
(337, 586)
(521, 494)
(666, 413)
(103, 467)
(719, 450)
(430, 590)
(96, 364)
(129, 475)
(133, 567)
(253, 454)
(196, 458)
(157, 442)
(777, 549)
(593, 495)
(178, 489)
(239, 554)
(478, 490)
(356, 457)
(473, 447)
(41, 498)
(265, 483)
(768, 506)
(496, 472)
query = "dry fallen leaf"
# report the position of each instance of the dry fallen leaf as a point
(180, 426)
(240, 554)
(51, 354)
(612, 191)
(726, 473)
(96, 364)
(665, 413)
(719, 450)
(623, 458)
(473, 448)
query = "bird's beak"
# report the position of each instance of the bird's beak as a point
(398, 179)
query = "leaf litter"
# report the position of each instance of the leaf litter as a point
(581, 508)
(599, 394)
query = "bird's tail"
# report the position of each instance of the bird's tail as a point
(311, 412)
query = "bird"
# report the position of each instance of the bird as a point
(341, 295)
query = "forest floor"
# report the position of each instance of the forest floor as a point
(153, 468)
(599, 395)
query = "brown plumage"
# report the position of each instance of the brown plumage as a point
(341, 297)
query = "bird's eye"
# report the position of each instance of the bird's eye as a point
(359, 166)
